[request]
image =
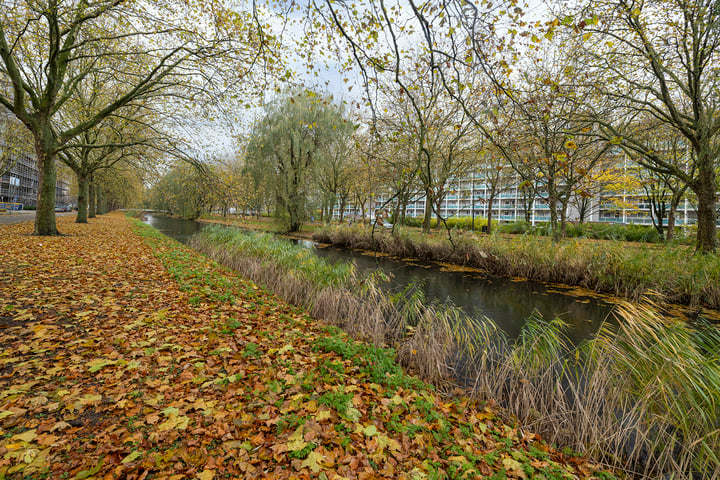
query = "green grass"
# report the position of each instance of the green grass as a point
(300, 261)
(376, 364)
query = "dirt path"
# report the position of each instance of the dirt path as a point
(13, 218)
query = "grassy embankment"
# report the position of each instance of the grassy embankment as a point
(644, 398)
(127, 355)
(671, 274)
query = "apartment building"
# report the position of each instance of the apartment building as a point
(19, 185)
(469, 196)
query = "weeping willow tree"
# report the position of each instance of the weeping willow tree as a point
(184, 190)
(290, 142)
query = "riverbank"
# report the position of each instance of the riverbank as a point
(263, 224)
(669, 275)
(127, 355)
(632, 271)
(643, 394)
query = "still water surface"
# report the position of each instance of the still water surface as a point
(509, 303)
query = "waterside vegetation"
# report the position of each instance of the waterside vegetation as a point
(669, 274)
(643, 398)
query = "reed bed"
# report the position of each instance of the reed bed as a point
(643, 397)
(672, 272)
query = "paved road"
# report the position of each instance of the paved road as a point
(10, 218)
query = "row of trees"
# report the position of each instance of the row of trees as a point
(445, 83)
(632, 74)
(100, 83)
(300, 155)
(306, 154)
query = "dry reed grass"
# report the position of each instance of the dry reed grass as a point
(644, 398)
(609, 267)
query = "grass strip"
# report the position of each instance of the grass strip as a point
(341, 406)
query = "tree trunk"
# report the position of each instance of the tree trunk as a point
(428, 211)
(528, 213)
(657, 212)
(99, 200)
(83, 194)
(343, 202)
(92, 198)
(671, 223)
(563, 219)
(552, 203)
(584, 204)
(527, 202)
(362, 211)
(705, 189)
(672, 213)
(489, 213)
(396, 213)
(45, 208)
(332, 200)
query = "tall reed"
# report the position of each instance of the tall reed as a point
(644, 398)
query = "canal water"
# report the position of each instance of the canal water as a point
(507, 302)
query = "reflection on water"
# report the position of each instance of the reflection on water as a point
(505, 301)
(177, 228)
(508, 303)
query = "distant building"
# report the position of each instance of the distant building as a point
(468, 197)
(19, 185)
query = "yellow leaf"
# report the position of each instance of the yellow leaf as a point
(384, 441)
(513, 467)
(29, 455)
(90, 399)
(206, 475)
(312, 462)
(88, 473)
(132, 457)
(296, 441)
(99, 363)
(28, 436)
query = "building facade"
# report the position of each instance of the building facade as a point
(469, 196)
(19, 185)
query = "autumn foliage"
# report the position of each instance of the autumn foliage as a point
(132, 358)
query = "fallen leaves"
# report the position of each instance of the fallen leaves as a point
(115, 365)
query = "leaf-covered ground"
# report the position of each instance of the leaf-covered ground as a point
(126, 355)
